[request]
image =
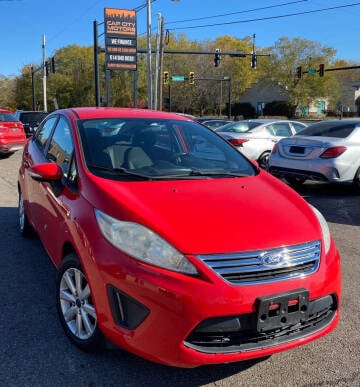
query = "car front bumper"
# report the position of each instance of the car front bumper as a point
(186, 321)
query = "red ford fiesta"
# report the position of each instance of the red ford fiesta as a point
(170, 243)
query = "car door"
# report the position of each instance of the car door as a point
(54, 211)
(33, 155)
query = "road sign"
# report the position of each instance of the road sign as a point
(178, 78)
(312, 71)
(120, 39)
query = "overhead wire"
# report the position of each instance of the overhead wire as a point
(268, 17)
(238, 12)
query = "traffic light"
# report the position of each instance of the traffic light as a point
(47, 68)
(298, 72)
(166, 78)
(191, 77)
(321, 69)
(217, 57)
(253, 60)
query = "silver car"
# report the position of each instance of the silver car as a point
(255, 138)
(325, 151)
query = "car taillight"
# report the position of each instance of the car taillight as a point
(274, 148)
(237, 141)
(333, 152)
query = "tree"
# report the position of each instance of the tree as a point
(7, 90)
(286, 55)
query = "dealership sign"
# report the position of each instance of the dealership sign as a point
(120, 39)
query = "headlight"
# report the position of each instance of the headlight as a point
(324, 228)
(143, 244)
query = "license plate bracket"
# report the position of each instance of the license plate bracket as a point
(282, 310)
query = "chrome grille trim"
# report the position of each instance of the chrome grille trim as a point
(263, 266)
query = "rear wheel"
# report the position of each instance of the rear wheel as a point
(263, 160)
(295, 181)
(75, 306)
(356, 181)
(24, 225)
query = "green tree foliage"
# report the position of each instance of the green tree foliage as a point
(286, 56)
(7, 92)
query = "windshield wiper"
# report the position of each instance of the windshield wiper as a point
(198, 172)
(120, 172)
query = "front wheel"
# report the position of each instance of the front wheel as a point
(75, 306)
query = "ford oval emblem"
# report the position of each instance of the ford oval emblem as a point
(275, 259)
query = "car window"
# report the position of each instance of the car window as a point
(339, 129)
(7, 117)
(237, 127)
(32, 117)
(44, 132)
(281, 129)
(298, 127)
(61, 146)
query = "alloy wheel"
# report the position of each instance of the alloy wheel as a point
(76, 305)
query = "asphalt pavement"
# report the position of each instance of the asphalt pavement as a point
(35, 352)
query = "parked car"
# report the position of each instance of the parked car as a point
(165, 243)
(325, 151)
(12, 135)
(255, 138)
(30, 120)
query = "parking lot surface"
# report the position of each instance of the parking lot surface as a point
(35, 352)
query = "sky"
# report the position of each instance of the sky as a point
(25, 23)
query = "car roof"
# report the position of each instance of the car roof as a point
(266, 120)
(108, 112)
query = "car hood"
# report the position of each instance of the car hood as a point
(215, 215)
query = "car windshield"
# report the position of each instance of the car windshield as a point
(7, 117)
(237, 127)
(340, 129)
(158, 149)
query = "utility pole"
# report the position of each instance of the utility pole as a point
(157, 63)
(44, 72)
(148, 46)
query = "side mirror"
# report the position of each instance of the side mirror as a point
(49, 172)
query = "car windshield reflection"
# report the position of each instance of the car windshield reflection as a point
(133, 149)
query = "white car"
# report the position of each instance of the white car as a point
(255, 138)
(325, 151)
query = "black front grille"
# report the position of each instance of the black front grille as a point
(239, 333)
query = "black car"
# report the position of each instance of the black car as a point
(30, 120)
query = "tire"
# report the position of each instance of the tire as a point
(5, 155)
(356, 182)
(263, 160)
(295, 181)
(75, 307)
(25, 227)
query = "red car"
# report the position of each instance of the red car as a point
(170, 243)
(12, 134)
